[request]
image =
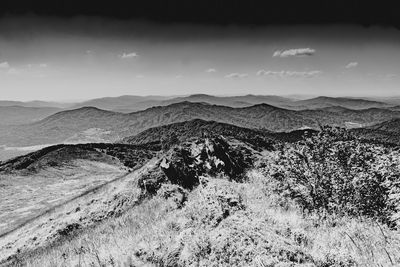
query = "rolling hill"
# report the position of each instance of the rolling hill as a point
(189, 129)
(59, 155)
(324, 102)
(125, 103)
(197, 128)
(34, 104)
(384, 132)
(132, 103)
(47, 182)
(128, 103)
(12, 115)
(392, 126)
(61, 126)
(115, 126)
(231, 101)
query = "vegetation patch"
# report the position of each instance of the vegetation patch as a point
(334, 172)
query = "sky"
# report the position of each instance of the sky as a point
(80, 57)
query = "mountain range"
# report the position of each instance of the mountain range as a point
(127, 104)
(34, 104)
(113, 126)
(131, 103)
(324, 102)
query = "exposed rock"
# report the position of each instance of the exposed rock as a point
(206, 156)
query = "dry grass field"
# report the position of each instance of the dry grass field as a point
(105, 201)
(27, 196)
(225, 224)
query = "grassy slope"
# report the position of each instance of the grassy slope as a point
(85, 210)
(225, 224)
(26, 196)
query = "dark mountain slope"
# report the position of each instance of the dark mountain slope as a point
(61, 155)
(385, 132)
(183, 131)
(392, 126)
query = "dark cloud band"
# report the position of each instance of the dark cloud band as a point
(217, 12)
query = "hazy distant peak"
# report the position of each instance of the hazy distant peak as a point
(200, 95)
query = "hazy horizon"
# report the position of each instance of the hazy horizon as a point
(58, 59)
(293, 96)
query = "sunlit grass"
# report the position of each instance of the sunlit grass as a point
(226, 224)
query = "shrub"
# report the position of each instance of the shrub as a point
(333, 172)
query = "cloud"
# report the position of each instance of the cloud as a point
(351, 65)
(8, 69)
(4, 65)
(128, 55)
(297, 52)
(236, 75)
(390, 76)
(13, 71)
(179, 76)
(287, 73)
(211, 70)
(41, 65)
(263, 72)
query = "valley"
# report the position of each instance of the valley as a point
(90, 124)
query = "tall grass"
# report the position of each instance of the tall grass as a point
(225, 224)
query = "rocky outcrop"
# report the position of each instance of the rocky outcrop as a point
(185, 163)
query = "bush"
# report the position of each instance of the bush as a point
(333, 172)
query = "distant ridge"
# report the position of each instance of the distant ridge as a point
(129, 103)
(13, 115)
(65, 124)
(132, 103)
(325, 101)
(34, 104)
